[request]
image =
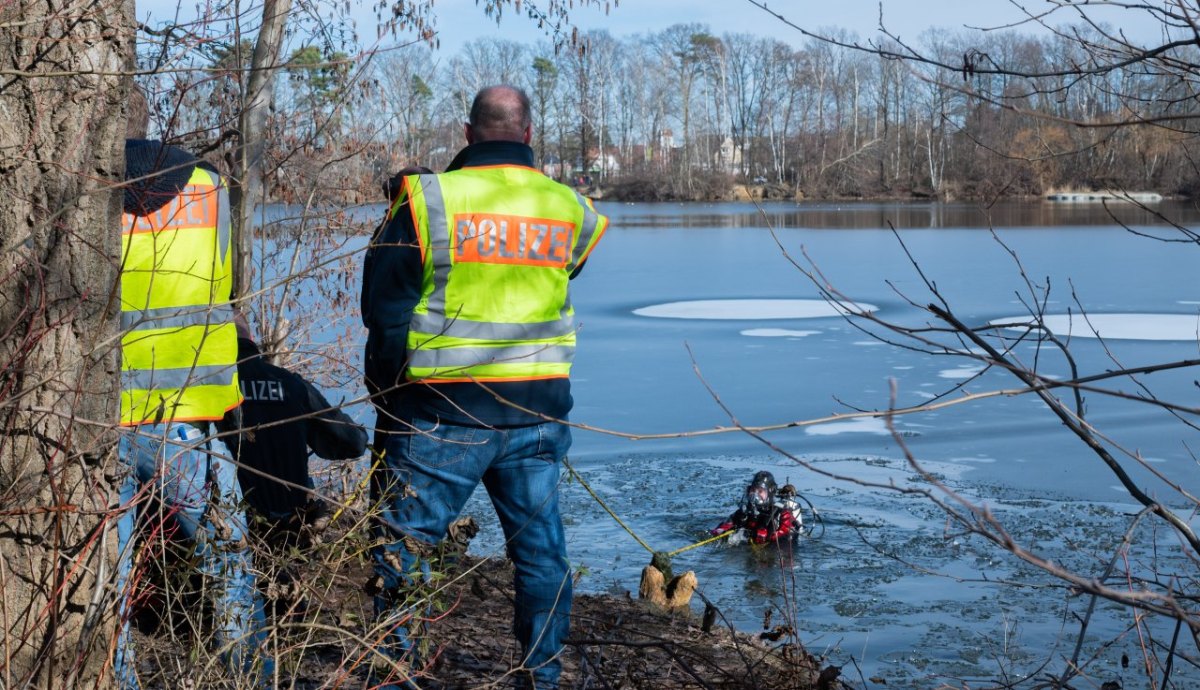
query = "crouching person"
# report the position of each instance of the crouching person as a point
(283, 417)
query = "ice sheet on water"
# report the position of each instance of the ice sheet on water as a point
(777, 333)
(1116, 326)
(750, 309)
(959, 372)
(861, 425)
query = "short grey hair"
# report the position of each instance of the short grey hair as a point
(500, 112)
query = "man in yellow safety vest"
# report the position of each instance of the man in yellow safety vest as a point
(471, 338)
(178, 377)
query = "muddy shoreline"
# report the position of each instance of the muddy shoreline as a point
(320, 633)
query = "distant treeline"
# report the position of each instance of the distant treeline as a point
(687, 114)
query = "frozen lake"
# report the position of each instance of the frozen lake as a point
(692, 316)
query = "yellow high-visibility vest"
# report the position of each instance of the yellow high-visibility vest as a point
(179, 342)
(498, 245)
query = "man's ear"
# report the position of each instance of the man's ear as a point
(470, 136)
(527, 135)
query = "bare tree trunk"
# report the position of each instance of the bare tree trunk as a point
(247, 189)
(63, 84)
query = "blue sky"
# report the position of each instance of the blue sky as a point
(460, 21)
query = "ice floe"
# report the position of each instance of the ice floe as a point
(1116, 326)
(859, 425)
(959, 373)
(777, 333)
(750, 309)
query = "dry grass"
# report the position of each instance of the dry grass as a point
(325, 640)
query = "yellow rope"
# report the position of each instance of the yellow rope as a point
(702, 542)
(605, 506)
(621, 522)
(669, 554)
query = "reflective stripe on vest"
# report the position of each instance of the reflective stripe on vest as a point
(179, 343)
(495, 304)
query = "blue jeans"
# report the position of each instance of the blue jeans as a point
(427, 476)
(198, 489)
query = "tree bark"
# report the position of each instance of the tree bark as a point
(247, 189)
(63, 84)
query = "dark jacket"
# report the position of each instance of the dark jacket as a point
(284, 416)
(391, 289)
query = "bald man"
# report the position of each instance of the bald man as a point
(468, 357)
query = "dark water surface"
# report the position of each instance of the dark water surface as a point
(888, 586)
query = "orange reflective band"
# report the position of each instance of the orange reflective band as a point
(195, 207)
(490, 238)
(412, 212)
(198, 418)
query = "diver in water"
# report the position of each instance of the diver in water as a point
(766, 513)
